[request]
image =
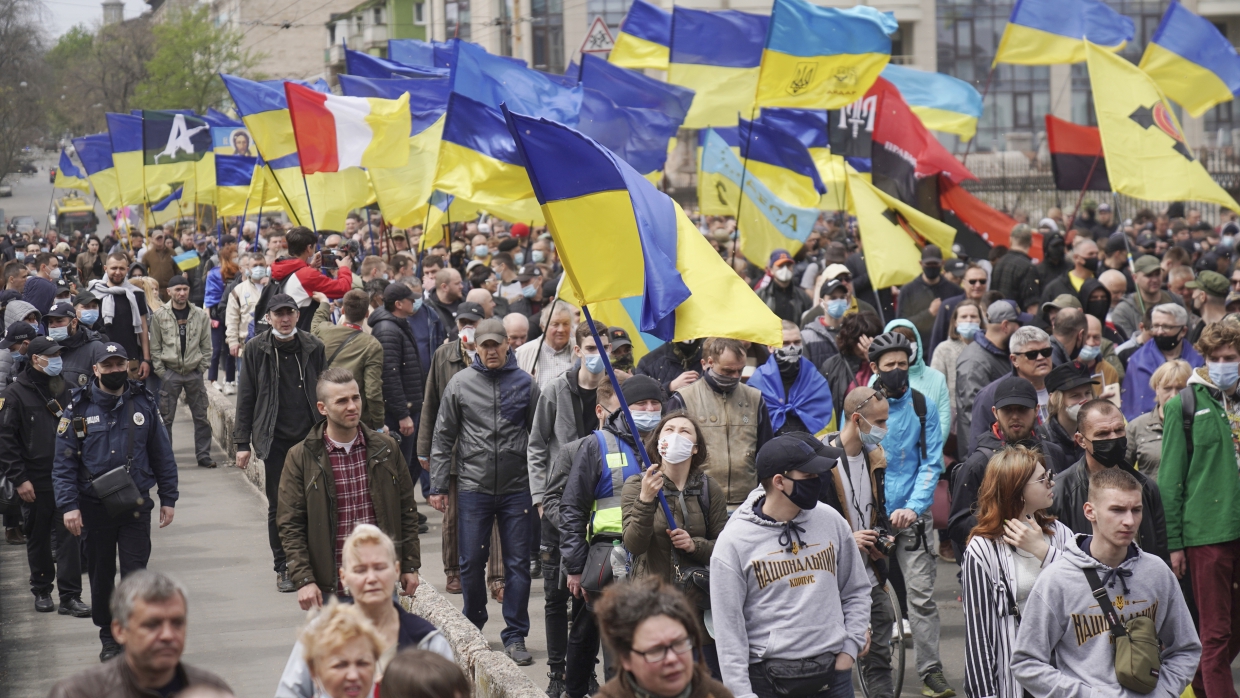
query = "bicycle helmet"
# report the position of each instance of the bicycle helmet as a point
(889, 341)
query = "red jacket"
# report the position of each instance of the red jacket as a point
(309, 280)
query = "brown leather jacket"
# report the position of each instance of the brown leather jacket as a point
(114, 679)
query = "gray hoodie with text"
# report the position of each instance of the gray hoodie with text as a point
(1064, 647)
(785, 591)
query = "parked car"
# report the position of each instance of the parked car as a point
(6, 190)
(28, 168)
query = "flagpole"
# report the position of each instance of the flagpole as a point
(309, 204)
(50, 202)
(1084, 187)
(969, 148)
(741, 197)
(624, 409)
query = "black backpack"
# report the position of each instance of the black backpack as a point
(1188, 408)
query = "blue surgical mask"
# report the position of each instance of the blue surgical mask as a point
(258, 273)
(54, 366)
(538, 257)
(58, 334)
(646, 421)
(1088, 353)
(529, 291)
(1226, 240)
(89, 317)
(593, 363)
(966, 330)
(481, 250)
(17, 356)
(1224, 374)
(417, 305)
(37, 329)
(20, 255)
(875, 436)
(836, 307)
(519, 258)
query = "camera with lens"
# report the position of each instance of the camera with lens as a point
(330, 259)
(885, 543)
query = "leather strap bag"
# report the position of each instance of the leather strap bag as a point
(1137, 659)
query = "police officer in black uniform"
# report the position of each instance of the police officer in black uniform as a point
(112, 430)
(79, 345)
(30, 408)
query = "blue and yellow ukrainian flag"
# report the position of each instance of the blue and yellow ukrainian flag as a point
(893, 233)
(822, 57)
(233, 177)
(95, 152)
(766, 223)
(264, 111)
(638, 136)
(402, 192)
(717, 55)
(68, 176)
(782, 163)
(1192, 61)
(942, 102)
(264, 191)
(619, 237)
(630, 88)
(644, 38)
(367, 66)
(125, 132)
(809, 126)
(1050, 32)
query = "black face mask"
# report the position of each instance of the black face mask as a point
(115, 380)
(1091, 265)
(894, 382)
(1167, 343)
(1110, 452)
(1098, 309)
(721, 384)
(688, 348)
(1055, 251)
(805, 492)
(932, 272)
(1080, 342)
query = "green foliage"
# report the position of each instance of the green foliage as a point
(190, 52)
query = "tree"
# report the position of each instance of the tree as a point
(98, 72)
(23, 77)
(191, 52)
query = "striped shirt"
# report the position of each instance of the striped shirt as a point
(353, 505)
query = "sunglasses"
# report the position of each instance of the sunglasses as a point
(1036, 354)
(975, 282)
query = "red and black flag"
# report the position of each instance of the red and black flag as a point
(1076, 156)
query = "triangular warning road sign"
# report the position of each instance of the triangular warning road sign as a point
(598, 39)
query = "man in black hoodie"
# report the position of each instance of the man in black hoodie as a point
(920, 298)
(1016, 412)
(1014, 275)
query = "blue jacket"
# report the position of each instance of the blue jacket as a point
(428, 334)
(911, 479)
(809, 397)
(215, 288)
(1137, 395)
(928, 381)
(106, 447)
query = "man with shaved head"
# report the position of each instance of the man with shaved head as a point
(1085, 265)
(518, 328)
(482, 297)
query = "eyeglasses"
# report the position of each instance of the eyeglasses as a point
(1167, 328)
(1036, 354)
(655, 655)
(1048, 479)
(975, 282)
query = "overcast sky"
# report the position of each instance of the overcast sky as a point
(63, 14)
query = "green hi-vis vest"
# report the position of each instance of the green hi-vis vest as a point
(620, 463)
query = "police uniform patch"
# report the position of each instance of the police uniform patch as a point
(64, 425)
(82, 379)
(139, 418)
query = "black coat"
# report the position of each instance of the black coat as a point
(1072, 491)
(1016, 278)
(666, 363)
(258, 403)
(402, 369)
(28, 427)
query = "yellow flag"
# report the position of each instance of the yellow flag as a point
(889, 231)
(1147, 157)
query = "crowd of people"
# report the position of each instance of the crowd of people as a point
(1059, 419)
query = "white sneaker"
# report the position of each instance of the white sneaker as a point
(230, 388)
(908, 629)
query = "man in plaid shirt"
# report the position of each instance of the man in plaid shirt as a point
(348, 474)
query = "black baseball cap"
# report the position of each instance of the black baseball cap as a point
(1015, 390)
(61, 309)
(109, 350)
(19, 331)
(528, 272)
(619, 337)
(85, 298)
(796, 452)
(470, 311)
(281, 301)
(1066, 377)
(397, 292)
(43, 346)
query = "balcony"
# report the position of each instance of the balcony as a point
(335, 55)
(375, 35)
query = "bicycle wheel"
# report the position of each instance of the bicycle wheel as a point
(897, 653)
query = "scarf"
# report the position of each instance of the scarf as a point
(107, 294)
(809, 396)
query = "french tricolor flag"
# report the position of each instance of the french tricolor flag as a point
(337, 132)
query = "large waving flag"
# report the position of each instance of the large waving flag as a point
(172, 144)
(95, 152)
(69, 176)
(233, 176)
(1147, 157)
(781, 162)
(125, 132)
(1077, 160)
(630, 88)
(264, 110)
(822, 57)
(1050, 32)
(810, 127)
(618, 237)
(893, 233)
(637, 136)
(766, 222)
(903, 149)
(942, 102)
(334, 133)
(644, 38)
(403, 191)
(368, 66)
(717, 55)
(1192, 61)
(163, 204)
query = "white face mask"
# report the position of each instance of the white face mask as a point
(675, 448)
(783, 274)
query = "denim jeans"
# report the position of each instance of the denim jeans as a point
(476, 514)
(919, 568)
(840, 685)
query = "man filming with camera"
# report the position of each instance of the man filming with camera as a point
(855, 490)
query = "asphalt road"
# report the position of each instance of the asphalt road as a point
(32, 195)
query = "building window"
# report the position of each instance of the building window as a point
(456, 19)
(547, 25)
(1022, 110)
(419, 13)
(612, 12)
(378, 15)
(902, 44)
(503, 11)
(331, 35)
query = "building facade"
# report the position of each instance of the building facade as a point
(288, 34)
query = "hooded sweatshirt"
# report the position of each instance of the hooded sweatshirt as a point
(928, 381)
(1063, 624)
(785, 590)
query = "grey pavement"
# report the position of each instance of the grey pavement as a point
(32, 195)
